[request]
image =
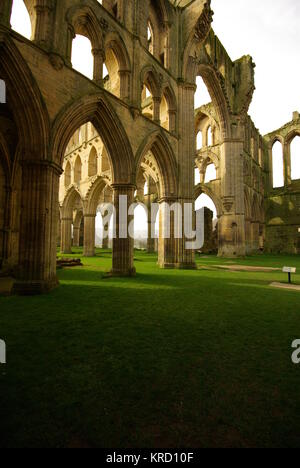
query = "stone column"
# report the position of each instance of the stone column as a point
(99, 58)
(156, 109)
(232, 222)
(166, 241)
(151, 228)
(42, 33)
(39, 214)
(186, 180)
(76, 236)
(89, 235)
(66, 235)
(5, 12)
(124, 84)
(123, 244)
(287, 165)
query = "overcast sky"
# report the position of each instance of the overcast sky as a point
(269, 30)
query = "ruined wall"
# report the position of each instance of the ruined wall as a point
(282, 204)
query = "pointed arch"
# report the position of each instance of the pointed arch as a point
(84, 21)
(93, 162)
(159, 146)
(93, 195)
(202, 188)
(149, 78)
(72, 195)
(214, 81)
(94, 109)
(114, 41)
(25, 101)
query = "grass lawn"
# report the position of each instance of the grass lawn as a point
(166, 359)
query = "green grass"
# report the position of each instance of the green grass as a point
(166, 359)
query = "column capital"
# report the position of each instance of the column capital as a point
(42, 163)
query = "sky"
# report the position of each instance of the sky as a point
(268, 30)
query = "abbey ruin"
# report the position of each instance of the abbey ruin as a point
(70, 144)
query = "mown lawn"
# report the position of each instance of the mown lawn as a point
(166, 359)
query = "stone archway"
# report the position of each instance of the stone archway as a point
(94, 109)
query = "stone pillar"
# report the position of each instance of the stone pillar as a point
(232, 222)
(99, 58)
(5, 12)
(124, 84)
(42, 33)
(89, 235)
(39, 214)
(66, 235)
(166, 241)
(123, 244)
(156, 109)
(76, 236)
(186, 180)
(151, 228)
(287, 164)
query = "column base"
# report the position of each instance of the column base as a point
(186, 266)
(232, 253)
(167, 266)
(34, 288)
(120, 274)
(89, 255)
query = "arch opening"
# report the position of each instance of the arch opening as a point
(20, 19)
(277, 164)
(295, 158)
(82, 58)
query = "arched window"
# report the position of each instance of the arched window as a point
(2, 92)
(150, 38)
(105, 163)
(197, 176)
(210, 174)
(20, 19)
(78, 170)
(68, 175)
(147, 103)
(111, 73)
(205, 201)
(93, 162)
(199, 140)
(295, 158)
(202, 95)
(209, 136)
(82, 57)
(164, 114)
(277, 162)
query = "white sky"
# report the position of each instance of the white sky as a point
(269, 31)
(266, 29)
